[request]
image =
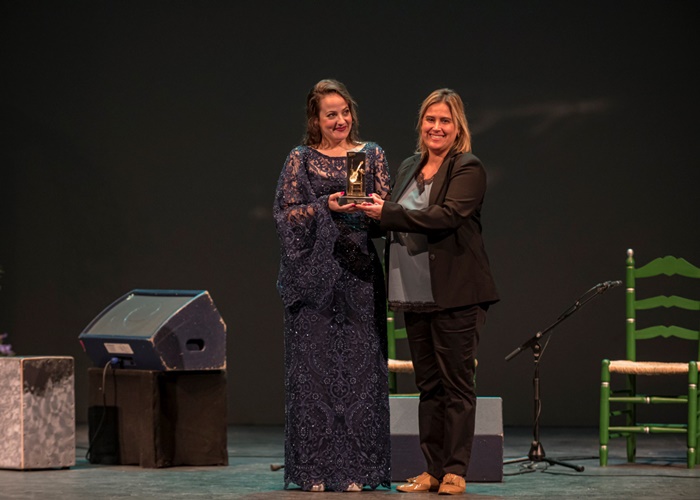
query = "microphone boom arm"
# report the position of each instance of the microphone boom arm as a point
(582, 301)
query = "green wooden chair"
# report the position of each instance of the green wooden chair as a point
(622, 404)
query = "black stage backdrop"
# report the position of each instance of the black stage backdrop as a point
(142, 142)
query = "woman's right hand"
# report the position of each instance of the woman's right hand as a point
(373, 210)
(333, 204)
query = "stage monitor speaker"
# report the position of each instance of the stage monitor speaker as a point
(158, 330)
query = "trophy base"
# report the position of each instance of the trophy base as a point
(347, 200)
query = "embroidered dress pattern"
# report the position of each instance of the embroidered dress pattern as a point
(331, 284)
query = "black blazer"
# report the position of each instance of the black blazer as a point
(459, 267)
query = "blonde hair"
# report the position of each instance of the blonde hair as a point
(463, 142)
(312, 136)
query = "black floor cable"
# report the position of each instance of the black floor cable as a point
(109, 364)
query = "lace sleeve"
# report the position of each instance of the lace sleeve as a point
(381, 171)
(307, 236)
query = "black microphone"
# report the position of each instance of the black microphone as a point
(603, 287)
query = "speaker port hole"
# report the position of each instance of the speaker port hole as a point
(195, 345)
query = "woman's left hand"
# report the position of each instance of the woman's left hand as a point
(373, 210)
(335, 207)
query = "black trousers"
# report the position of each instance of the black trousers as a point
(443, 349)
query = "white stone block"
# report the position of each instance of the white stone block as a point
(37, 412)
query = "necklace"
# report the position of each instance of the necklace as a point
(421, 182)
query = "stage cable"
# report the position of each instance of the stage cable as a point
(108, 364)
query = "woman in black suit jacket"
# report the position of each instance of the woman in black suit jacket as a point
(439, 276)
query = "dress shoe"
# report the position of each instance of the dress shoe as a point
(354, 487)
(452, 484)
(419, 484)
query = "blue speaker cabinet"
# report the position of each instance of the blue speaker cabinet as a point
(37, 412)
(486, 465)
(163, 330)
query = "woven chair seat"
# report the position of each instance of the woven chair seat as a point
(647, 367)
(400, 366)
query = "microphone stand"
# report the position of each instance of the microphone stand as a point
(536, 453)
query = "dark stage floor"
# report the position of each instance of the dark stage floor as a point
(659, 473)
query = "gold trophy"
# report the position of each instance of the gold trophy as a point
(355, 190)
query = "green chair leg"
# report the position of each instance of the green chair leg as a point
(692, 414)
(391, 348)
(604, 412)
(631, 421)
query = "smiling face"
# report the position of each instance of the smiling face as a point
(334, 120)
(438, 129)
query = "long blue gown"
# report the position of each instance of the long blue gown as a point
(331, 284)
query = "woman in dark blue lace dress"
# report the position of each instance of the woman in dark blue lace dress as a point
(331, 284)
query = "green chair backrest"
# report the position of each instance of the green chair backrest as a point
(669, 266)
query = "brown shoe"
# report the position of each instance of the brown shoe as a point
(452, 484)
(419, 484)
